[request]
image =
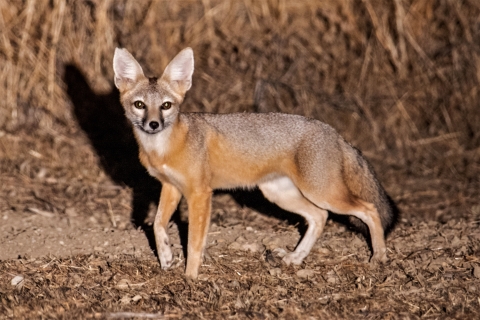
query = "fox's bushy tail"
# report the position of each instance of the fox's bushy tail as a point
(361, 181)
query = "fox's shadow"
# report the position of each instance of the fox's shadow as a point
(102, 118)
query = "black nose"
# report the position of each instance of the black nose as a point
(154, 124)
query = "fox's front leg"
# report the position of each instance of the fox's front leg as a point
(169, 199)
(199, 208)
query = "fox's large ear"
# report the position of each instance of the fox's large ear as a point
(127, 69)
(180, 70)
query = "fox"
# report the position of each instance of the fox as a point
(301, 164)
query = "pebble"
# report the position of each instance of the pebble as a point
(306, 273)
(275, 271)
(136, 298)
(476, 272)
(17, 281)
(252, 247)
(324, 251)
(243, 246)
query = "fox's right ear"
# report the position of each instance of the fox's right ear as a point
(127, 69)
(180, 70)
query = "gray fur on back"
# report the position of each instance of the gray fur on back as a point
(265, 132)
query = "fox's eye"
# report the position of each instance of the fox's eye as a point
(166, 105)
(139, 105)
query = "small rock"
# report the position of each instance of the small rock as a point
(136, 298)
(18, 281)
(252, 247)
(324, 251)
(275, 272)
(123, 284)
(476, 272)
(306, 273)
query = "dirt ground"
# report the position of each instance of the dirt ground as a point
(68, 250)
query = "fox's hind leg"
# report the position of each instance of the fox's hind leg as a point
(368, 213)
(169, 199)
(286, 195)
(342, 202)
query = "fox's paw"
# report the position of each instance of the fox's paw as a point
(164, 251)
(166, 257)
(295, 258)
(379, 257)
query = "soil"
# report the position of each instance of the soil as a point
(70, 250)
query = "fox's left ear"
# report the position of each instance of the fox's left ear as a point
(180, 70)
(127, 69)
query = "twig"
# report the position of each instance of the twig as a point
(442, 137)
(122, 315)
(110, 213)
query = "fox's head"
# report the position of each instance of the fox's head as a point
(152, 104)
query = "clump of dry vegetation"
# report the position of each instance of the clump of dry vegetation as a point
(406, 71)
(399, 79)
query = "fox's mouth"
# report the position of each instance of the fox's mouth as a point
(151, 131)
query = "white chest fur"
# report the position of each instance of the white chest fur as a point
(157, 143)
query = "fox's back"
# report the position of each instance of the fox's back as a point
(246, 148)
(259, 133)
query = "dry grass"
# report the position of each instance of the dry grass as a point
(408, 71)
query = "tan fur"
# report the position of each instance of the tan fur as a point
(300, 164)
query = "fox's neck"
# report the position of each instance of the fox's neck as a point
(154, 143)
(162, 143)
